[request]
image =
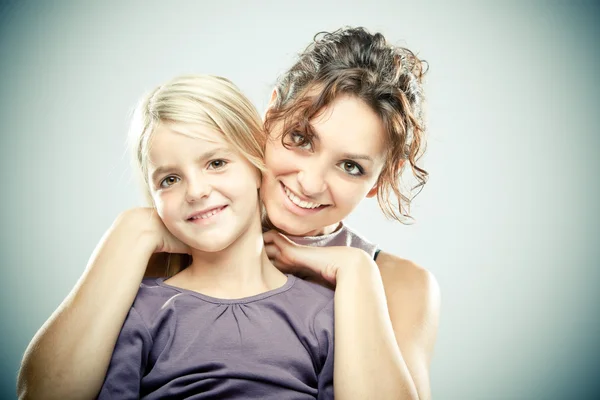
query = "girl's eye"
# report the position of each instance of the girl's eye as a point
(300, 141)
(217, 164)
(169, 181)
(352, 168)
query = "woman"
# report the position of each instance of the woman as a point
(344, 123)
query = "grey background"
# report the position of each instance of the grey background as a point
(507, 222)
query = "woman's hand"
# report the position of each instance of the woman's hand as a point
(318, 264)
(167, 242)
(147, 219)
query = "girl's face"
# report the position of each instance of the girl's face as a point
(308, 190)
(204, 192)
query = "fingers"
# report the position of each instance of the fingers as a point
(272, 236)
(280, 247)
(272, 251)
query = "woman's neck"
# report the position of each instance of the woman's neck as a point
(325, 230)
(240, 270)
(317, 232)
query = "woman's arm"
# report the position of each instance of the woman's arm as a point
(128, 362)
(386, 318)
(69, 355)
(413, 299)
(386, 324)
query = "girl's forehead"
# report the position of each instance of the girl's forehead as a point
(199, 132)
(170, 141)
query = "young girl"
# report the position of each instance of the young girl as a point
(345, 123)
(230, 325)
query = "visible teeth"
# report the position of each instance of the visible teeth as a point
(208, 214)
(297, 201)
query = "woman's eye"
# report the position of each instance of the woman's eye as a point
(169, 181)
(300, 141)
(352, 168)
(216, 164)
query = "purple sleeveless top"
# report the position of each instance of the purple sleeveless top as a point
(343, 236)
(176, 343)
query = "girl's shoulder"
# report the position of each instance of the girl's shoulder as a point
(154, 298)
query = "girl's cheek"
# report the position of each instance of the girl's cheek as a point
(161, 200)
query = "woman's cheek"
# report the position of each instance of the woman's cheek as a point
(277, 155)
(348, 194)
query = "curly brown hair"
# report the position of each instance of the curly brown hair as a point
(352, 61)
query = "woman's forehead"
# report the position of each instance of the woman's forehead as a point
(350, 123)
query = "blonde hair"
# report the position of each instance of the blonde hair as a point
(210, 101)
(206, 100)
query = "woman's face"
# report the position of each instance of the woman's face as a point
(308, 190)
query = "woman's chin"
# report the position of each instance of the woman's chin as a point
(289, 229)
(295, 230)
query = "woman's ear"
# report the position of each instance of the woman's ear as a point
(271, 103)
(373, 191)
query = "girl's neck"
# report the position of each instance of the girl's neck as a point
(240, 270)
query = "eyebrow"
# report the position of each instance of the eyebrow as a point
(203, 157)
(358, 156)
(354, 156)
(159, 171)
